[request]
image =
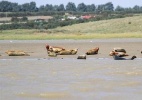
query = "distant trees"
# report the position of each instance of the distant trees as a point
(32, 7)
(48, 7)
(70, 7)
(6, 6)
(82, 7)
(105, 8)
(61, 7)
(108, 6)
(41, 8)
(19, 20)
(135, 9)
(18, 13)
(118, 8)
(28, 7)
(91, 8)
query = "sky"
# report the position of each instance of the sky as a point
(122, 3)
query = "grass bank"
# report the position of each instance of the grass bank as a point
(130, 27)
(44, 36)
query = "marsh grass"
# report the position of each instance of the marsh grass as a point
(68, 36)
(130, 27)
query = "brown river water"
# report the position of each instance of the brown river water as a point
(70, 79)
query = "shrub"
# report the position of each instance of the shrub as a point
(24, 18)
(14, 19)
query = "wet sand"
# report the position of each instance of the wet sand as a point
(99, 77)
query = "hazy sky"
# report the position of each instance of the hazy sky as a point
(123, 3)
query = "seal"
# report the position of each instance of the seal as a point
(115, 57)
(92, 51)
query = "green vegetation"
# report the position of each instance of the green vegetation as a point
(30, 9)
(24, 23)
(130, 27)
(17, 16)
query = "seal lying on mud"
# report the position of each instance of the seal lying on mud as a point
(54, 48)
(120, 54)
(16, 53)
(121, 58)
(81, 57)
(68, 52)
(93, 51)
(119, 50)
(51, 54)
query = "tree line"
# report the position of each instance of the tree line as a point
(6, 6)
(19, 20)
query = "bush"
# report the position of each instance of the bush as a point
(14, 19)
(24, 18)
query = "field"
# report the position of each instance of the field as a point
(130, 27)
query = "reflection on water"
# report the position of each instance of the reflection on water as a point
(70, 79)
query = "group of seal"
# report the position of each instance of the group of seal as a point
(120, 53)
(53, 51)
(117, 53)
